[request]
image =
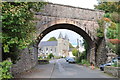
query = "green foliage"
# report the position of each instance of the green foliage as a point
(109, 6)
(5, 70)
(75, 52)
(100, 32)
(111, 34)
(50, 56)
(115, 17)
(40, 57)
(85, 62)
(107, 15)
(18, 28)
(70, 45)
(52, 39)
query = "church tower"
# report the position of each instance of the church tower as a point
(63, 45)
(66, 44)
(60, 44)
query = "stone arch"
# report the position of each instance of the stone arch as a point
(69, 24)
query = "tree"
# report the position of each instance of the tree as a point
(75, 52)
(17, 26)
(52, 39)
(108, 6)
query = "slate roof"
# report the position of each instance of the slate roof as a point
(48, 43)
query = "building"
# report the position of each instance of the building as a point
(57, 48)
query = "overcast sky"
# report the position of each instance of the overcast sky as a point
(73, 36)
(78, 3)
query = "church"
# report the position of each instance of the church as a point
(57, 48)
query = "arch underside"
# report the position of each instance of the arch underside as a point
(69, 27)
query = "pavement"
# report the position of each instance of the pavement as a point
(59, 68)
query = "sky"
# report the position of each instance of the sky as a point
(72, 35)
(77, 3)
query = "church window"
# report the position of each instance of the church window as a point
(46, 49)
(51, 49)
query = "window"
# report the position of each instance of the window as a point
(46, 49)
(51, 49)
(55, 49)
(40, 49)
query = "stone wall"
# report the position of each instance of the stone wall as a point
(101, 52)
(65, 11)
(114, 71)
(27, 60)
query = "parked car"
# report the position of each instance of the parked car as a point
(67, 58)
(71, 60)
(116, 59)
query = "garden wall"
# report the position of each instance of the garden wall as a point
(27, 60)
(115, 71)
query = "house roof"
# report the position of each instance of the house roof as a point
(48, 43)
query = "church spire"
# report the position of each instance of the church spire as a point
(66, 37)
(60, 35)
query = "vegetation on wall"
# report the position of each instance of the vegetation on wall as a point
(17, 26)
(112, 17)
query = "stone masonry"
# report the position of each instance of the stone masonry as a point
(27, 60)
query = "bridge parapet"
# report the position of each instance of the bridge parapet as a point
(65, 11)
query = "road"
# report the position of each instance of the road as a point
(59, 68)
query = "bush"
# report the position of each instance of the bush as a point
(85, 62)
(5, 70)
(40, 57)
(50, 56)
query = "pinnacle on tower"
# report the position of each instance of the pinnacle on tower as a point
(60, 35)
(66, 37)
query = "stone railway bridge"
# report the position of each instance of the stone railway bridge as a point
(56, 16)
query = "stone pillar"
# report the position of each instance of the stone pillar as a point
(92, 55)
